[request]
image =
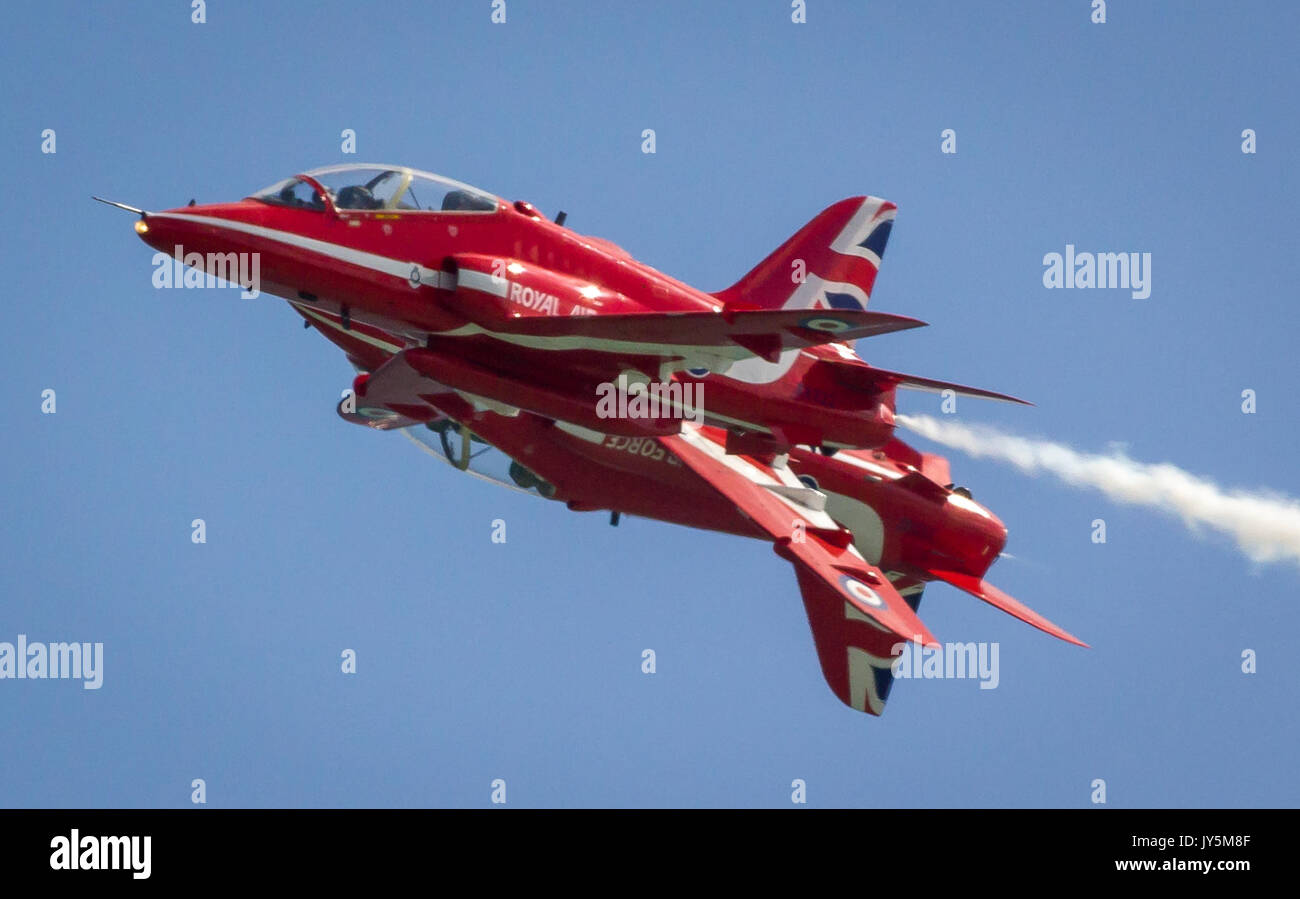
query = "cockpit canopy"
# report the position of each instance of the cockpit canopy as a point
(475, 456)
(380, 188)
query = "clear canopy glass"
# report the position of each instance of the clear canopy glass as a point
(446, 441)
(380, 188)
(292, 192)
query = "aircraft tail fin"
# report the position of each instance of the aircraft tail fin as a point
(829, 263)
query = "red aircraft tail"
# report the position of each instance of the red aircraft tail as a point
(830, 263)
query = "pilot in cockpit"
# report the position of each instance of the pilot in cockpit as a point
(462, 200)
(356, 196)
(376, 188)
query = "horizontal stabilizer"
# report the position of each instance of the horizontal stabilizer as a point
(867, 378)
(783, 328)
(995, 597)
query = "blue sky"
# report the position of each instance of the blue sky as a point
(521, 661)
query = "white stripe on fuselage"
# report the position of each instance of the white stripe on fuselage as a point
(373, 261)
(693, 354)
(688, 352)
(353, 333)
(482, 282)
(863, 463)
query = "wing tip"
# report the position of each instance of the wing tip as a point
(995, 597)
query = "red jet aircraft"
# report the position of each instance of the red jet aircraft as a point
(472, 320)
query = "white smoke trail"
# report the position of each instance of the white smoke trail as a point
(1264, 525)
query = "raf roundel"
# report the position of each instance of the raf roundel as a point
(861, 592)
(822, 323)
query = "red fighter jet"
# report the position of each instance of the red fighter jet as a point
(496, 339)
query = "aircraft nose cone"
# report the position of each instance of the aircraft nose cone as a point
(147, 230)
(977, 535)
(206, 252)
(180, 231)
(991, 540)
(158, 233)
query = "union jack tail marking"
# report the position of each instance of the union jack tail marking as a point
(830, 263)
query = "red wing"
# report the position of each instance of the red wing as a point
(856, 656)
(857, 616)
(784, 328)
(1009, 604)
